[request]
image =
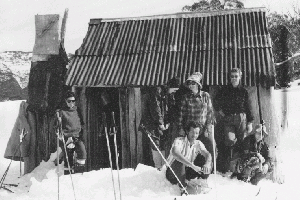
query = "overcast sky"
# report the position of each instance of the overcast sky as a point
(17, 28)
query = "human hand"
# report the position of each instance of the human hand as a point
(197, 168)
(162, 127)
(249, 127)
(265, 169)
(206, 169)
(167, 125)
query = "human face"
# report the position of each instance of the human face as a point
(235, 79)
(258, 136)
(70, 102)
(193, 134)
(193, 86)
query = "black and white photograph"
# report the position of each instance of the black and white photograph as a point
(160, 99)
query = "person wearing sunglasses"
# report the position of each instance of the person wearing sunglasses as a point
(196, 105)
(72, 124)
(233, 105)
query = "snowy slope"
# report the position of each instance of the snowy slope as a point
(143, 183)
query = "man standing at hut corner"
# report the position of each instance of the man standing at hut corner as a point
(233, 104)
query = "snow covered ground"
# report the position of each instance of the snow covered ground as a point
(145, 182)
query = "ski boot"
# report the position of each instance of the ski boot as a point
(80, 166)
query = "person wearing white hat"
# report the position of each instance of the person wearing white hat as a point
(196, 105)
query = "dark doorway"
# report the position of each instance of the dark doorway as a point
(99, 101)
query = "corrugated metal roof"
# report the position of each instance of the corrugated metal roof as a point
(151, 50)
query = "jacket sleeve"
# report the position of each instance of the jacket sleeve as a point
(218, 100)
(210, 111)
(182, 112)
(155, 110)
(80, 116)
(248, 108)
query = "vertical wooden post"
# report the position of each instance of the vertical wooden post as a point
(132, 126)
(138, 115)
(123, 126)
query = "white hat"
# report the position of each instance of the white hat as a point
(196, 77)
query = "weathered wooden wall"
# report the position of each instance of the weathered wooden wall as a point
(130, 116)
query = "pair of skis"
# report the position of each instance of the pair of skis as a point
(112, 131)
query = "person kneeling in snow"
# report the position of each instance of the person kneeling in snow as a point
(189, 160)
(72, 123)
(255, 161)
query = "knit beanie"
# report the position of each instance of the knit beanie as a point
(174, 82)
(196, 77)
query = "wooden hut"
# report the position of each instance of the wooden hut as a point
(122, 56)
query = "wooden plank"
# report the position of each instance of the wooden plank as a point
(138, 115)
(131, 126)
(123, 128)
(88, 129)
(47, 38)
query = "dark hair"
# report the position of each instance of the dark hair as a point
(236, 70)
(174, 82)
(69, 94)
(192, 124)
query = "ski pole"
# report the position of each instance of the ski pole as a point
(167, 163)
(57, 160)
(108, 147)
(21, 140)
(66, 154)
(6, 171)
(67, 158)
(114, 132)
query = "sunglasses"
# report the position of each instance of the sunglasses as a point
(234, 76)
(191, 83)
(69, 101)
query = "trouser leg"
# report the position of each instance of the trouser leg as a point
(191, 174)
(157, 159)
(179, 170)
(209, 144)
(80, 150)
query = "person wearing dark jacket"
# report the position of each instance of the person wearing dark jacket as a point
(71, 124)
(171, 113)
(233, 105)
(255, 145)
(153, 120)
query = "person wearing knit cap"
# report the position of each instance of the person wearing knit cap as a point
(233, 106)
(196, 105)
(255, 145)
